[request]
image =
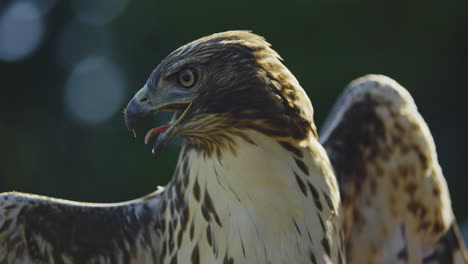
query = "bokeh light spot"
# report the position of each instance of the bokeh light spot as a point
(94, 91)
(21, 31)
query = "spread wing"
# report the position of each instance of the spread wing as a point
(37, 229)
(395, 197)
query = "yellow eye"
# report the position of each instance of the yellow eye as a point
(187, 77)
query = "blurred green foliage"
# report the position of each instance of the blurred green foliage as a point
(326, 44)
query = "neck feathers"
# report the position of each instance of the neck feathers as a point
(268, 199)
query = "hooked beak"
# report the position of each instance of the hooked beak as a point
(138, 108)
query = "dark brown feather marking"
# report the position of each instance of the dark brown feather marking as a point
(195, 255)
(321, 223)
(179, 238)
(196, 190)
(329, 201)
(209, 209)
(326, 246)
(312, 257)
(297, 227)
(163, 251)
(243, 248)
(171, 238)
(186, 168)
(192, 230)
(437, 228)
(315, 194)
(205, 213)
(228, 260)
(184, 218)
(301, 184)
(289, 147)
(208, 235)
(302, 166)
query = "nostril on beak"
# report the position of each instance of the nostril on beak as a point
(143, 100)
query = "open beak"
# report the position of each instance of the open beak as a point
(136, 110)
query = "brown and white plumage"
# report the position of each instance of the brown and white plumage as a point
(395, 197)
(252, 184)
(38, 229)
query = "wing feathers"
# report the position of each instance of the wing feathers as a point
(390, 179)
(36, 229)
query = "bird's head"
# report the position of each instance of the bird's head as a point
(220, 85)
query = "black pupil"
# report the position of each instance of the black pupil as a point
(186, 76)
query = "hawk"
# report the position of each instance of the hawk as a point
(253, 183)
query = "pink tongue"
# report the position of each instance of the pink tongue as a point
(155, 131)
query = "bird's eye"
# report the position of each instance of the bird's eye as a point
(187, 77)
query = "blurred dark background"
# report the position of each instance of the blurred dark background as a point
(68, 68)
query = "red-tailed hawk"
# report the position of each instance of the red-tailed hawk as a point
(253, 183)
